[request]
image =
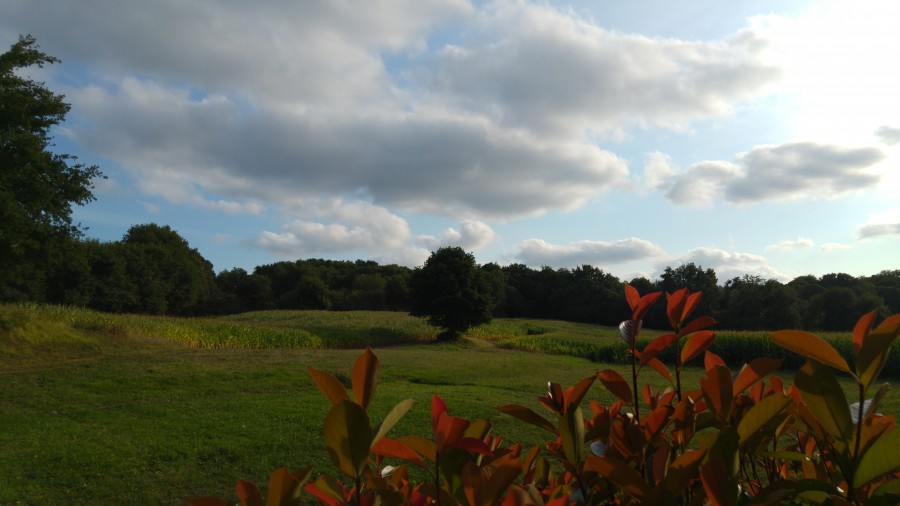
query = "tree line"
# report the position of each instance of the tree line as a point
(153, 270)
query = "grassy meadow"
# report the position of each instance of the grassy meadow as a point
(125, 409)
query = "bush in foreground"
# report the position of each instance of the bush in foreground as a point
(733, 439)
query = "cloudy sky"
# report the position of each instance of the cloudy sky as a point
(758, 137)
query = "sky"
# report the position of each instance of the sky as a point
(752, 137)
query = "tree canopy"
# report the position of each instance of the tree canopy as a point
(37, 187)
(451, 291)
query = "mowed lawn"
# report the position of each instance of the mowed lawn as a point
(106, 409)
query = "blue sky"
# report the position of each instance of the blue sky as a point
(751, 137)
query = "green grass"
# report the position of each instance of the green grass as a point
(123, 409)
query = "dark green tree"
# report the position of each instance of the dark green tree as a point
(170, 276)
(451, 291)
(694, 278)
(37, 186)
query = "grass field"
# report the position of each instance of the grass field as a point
(109, 409)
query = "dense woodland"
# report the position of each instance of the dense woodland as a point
(154, 270)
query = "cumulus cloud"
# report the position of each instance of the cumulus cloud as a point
(782, 172)
(888, 135)
(472, 234)
(787, 245)
(729, 265)
(341, 227)
(835, 246)
(537, 252)
(882, 223)
(532, 66)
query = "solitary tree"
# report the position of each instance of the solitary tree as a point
(37, 187)
(451, 291)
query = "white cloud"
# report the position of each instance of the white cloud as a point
(546, 70)
(835, 246)
(787, 171)
(787, 245)
(472, 235)
(729, 265)
(537, 252)
(886, 222)
(342, 227)
(888, 135)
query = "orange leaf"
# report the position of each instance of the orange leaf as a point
(365, 377)
(388, 447)
(632, 296)
(329, 385)
(656, 346)
(695, 325)
(249, 493)
(620, 473)
(438, 407)
(450, 430)
(711, 359)
(575, 394)
(527, 415)
(811, 346)
(697, 344)
(675, 306)
(861, 330)
(616, 384)
(283, 486)
(717, 391)
(874, 350)
(644, 305)
(756, 370)
(690, 305)
(659, 367)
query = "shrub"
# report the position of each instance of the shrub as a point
(743, 438)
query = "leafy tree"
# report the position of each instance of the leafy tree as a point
(451, 291)
(37, 187)
(170, 276)
(695, 279)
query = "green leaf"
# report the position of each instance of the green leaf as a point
(365, 378)
(782, 490)
(825, 397)
(811, 346)
(392, 418)
(348, 437)
(571, 430)
(881, 458)
(758, 425)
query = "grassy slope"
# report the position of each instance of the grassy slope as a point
(96, 409)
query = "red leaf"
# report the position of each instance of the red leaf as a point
(388, 447)
(697, 344)
(656, 346)
(675, 306)
(756, 370)
(711, 359)
(861, 330)
(365, 377)
(449, 431)
(575, 394)
(249, 493)
(329, 385)
(695, 325)
(632, 296)
(644, 305)
(690, 305)
(717, 391)
(438, 407)
(659, 367)
(616, 384)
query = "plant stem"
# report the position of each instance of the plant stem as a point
(634, 385)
